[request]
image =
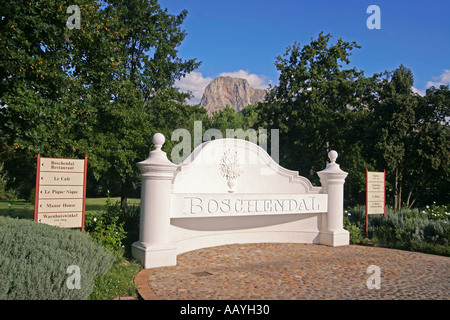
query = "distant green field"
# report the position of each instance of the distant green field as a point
(96, 204)
(25, 210)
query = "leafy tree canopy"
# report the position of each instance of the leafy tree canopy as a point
(102, 89)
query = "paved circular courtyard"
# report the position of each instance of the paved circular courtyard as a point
(298, 271)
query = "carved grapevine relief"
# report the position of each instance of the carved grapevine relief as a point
(230, 168)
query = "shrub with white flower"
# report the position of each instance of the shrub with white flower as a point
(107, 227)
(436, 212)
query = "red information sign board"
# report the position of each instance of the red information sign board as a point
(60, 192)
(375, 194)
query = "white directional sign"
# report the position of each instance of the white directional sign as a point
(60, 192)
(375, 197)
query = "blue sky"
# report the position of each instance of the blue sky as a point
(242, 38)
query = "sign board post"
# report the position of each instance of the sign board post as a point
(375, 195)
(60, 192)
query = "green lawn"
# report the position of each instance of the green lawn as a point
(17, 209)
(96, 204)
(25, 210)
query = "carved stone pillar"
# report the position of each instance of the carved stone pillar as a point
(153, 248)
(332, 179)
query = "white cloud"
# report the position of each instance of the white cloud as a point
(196, 83)
(256, 81)
(418, 91)
(443, 79)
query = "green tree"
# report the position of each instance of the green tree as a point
(394, 120)
(146, 100)
(45, 102)
(103, 89)
(234, 124)
(428, 171)
(227, 118)
(315, 105)
(411, 138)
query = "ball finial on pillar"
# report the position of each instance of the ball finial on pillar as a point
(332, 155)
(158, 140)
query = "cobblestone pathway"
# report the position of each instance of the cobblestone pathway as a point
(299, 271)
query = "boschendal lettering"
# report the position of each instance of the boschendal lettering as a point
(62, 165)
(197, 205)
(236, 309)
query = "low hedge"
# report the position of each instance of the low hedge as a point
(37, 261)
(408, 229)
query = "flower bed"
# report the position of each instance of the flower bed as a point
(426, 230)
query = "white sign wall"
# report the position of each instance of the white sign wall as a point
(231, 191)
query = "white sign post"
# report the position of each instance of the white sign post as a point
(375, 195)
(60, 192)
